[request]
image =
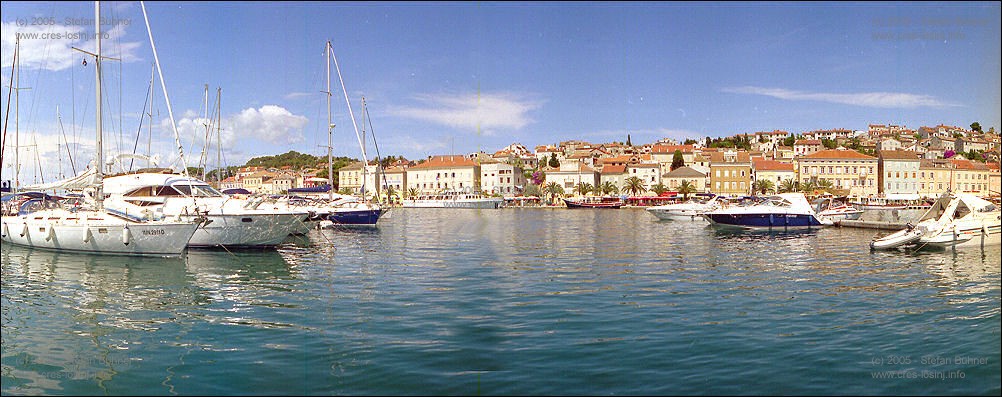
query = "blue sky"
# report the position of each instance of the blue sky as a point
(443, 78)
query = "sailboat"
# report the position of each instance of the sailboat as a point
(152, 194)
(84, 225)
(340, 210)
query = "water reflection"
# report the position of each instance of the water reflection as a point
(66, 316)
(536, 300)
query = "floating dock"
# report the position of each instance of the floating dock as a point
(883, 225)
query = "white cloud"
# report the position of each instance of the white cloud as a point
(870, 99)
(472, 112)
(298, 95)
(270, 123)
(50, 47)
(273, 124)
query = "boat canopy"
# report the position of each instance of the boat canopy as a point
(87, 179)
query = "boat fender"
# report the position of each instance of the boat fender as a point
(24, 230)
(87, 235)
(50, 234)
(126, 235)
(6, 230)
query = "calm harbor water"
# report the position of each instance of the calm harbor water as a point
(512, 301)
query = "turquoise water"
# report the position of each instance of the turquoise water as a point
(512, 301)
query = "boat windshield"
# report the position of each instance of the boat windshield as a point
(197, 190)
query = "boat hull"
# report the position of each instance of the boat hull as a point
(897, 239)
(110, 237)
(676, 215)
(963, 238)
(760, 221)
(247, 230)
(356, 217)
(468, 204)
(593, 205)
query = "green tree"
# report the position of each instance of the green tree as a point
(677, 161)
(412, 192)
(825, 185)
(807, 186)
(787, 186)
(659, 189)
(828, 143)
(532, 190)
(553, 163)
(686, 188)
(609, 188)
(628, 143)
(763, 186)
(974, 155)
(634, 185)
(690, 141)
(976, 127)
(790, 140)
(553, 189)
(583, 188)
(389, 192)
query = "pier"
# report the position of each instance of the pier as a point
(883, 219)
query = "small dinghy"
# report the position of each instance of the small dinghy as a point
(897, 239)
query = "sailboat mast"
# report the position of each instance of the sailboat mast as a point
(17, 118)
(219, 122)
(330, 124)
(348, 102)
(203, 159)
(99, 196)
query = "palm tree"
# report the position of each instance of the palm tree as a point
(609, 188)
(808, 186)
(554, 189)
(634, 185)
(825, 185)
(659, 189)
(390, 192)
(787, 186)
(583, 188)
(686, 188)
(412, 192)
(763, 185)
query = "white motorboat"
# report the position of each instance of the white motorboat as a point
(786, 210)
(688, 211)
(230, 221)
(954, 220)
(832, 210)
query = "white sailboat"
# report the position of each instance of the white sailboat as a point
(90, 228)
(339, 210)
(228, 221)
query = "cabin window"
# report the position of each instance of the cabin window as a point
(145, 191)
(166, 191)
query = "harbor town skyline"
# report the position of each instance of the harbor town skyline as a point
(461, 78)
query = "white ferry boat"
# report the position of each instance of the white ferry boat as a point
(453, 200)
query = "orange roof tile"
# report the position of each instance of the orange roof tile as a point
(614, 169)
(839, 154)
(772, 165)
(447, 161)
